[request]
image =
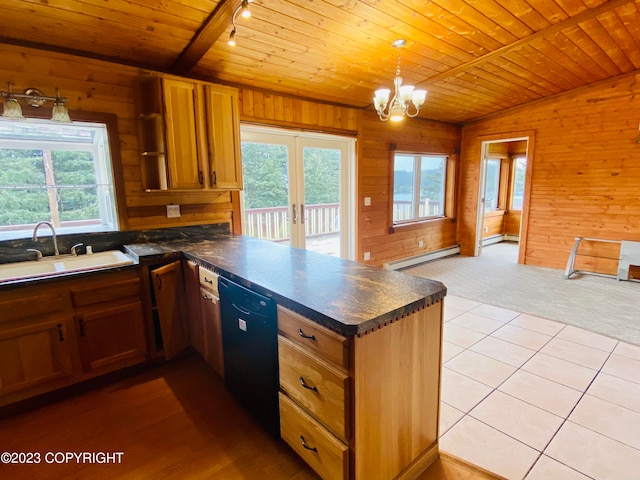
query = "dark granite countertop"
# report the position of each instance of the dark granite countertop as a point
(347, 297)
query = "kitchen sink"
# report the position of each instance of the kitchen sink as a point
(63, 264)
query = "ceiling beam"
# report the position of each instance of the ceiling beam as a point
(583, 16)
(206, 36)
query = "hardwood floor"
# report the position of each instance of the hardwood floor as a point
(173, 422)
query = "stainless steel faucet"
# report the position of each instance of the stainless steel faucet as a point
(53, 235)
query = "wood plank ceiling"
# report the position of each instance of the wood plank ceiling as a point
(475, 57)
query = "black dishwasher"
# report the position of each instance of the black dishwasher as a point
(250, 349)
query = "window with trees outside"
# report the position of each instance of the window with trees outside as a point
(492, 185)
(519, 172)
(55, 172)
(419, 187)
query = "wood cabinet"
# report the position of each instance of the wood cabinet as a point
(168, 289)
(211, 320)
(194, 316)
(56, 334)
(34, 342)
(189, 134)
(363, 406)
(109, 322)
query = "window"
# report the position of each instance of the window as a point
(517, 192)
(54, 172)
(419, 187)
(492, 186)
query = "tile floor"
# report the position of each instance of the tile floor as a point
(528, 398)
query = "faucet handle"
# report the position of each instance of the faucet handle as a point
(38, 253)
(74, 249)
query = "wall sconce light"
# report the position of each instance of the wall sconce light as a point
(243, 10)
(403, 96)
(35, 98)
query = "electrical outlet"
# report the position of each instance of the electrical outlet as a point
(421, 243)
(486, 229)
(173, 211)
(367, 256)
(367, 201)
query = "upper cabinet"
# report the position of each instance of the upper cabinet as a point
(189, 134)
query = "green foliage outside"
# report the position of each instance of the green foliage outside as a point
(265, 174)
(431, 178)
(23, 192)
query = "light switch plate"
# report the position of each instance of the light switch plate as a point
(367, 201)
(173, 211)
(367, 256)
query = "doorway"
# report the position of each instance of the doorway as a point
(503, 192)
(299, 189)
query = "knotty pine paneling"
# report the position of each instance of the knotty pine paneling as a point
(493, 224)
(98, 86)
(375, 138)
(512, 222)
(585, 170)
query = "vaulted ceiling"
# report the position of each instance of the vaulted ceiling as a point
(475, 57)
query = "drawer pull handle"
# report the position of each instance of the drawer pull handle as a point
(206, 280)
(302, 334)
(309, 387)
(60, 336)
(304, 444)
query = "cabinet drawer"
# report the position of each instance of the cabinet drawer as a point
(114, 292)
(323, 452)
(320, 340)
(37, 305)
(208, 280)
(322, 390)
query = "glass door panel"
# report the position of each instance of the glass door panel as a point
(265, 169)
(321, 168)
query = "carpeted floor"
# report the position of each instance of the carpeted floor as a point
(598, 304)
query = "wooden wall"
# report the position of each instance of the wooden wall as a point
(585, 169)
(374, 146)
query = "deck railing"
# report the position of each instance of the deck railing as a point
(272, 223)
(403, 209)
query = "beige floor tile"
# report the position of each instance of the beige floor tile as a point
(628, 350)
(521, 336)
(477, 323)
(461, 336)
(560, 371)
(461, 392)
(541, 392)
(537, 324)
(506, 352)
(548, 469)
(461, 303)
(623, 367)
(616, 390)
(593, 454)
(613, 421)
(495, 313)
(451, 312)
(449, 416)
(524, 422)
(589, 339)
(575, 353)
(450, 350)
(481, 368)
(478, 444)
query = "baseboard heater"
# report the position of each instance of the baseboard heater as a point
(410, 261)
(499, 238)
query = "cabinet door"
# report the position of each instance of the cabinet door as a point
(167, 286)
(32, 355)
(210, 308)
(223, 134)
(184, 119)
(111, 338)
(192, 294)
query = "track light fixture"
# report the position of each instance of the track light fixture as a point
(243, 10)
(35, 98)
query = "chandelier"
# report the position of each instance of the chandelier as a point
(403, 96)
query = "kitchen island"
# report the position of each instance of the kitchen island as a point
(387, 379)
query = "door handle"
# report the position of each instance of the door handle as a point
(295, 213)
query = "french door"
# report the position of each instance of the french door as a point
(298, 189)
